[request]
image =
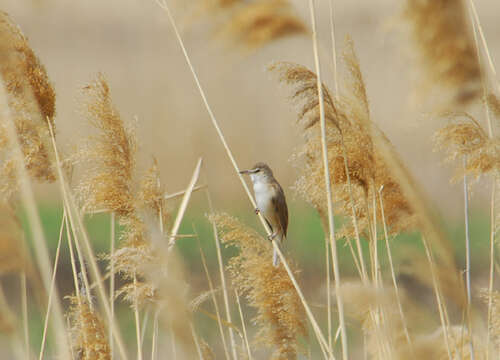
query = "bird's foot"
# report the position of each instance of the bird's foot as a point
(272, 236)
(257, 211)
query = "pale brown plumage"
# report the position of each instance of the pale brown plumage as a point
(271, 202)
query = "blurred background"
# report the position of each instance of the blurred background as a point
(133, 44)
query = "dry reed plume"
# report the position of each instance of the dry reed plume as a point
(260, 22)
(109, 184)
(88, 335)
(151, 277)
(349, 134)
(110, 155)
(135, 252)
(255, 23)
(442, 36)
(31, 98)
(151, 194)
(376, 310)
(463, 138)
(280, 314)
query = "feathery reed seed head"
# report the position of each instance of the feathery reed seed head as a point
(151, 193)
(257, 23)
(89, 337)
(349, 135)
(31, 98)
(280, 315)
(465, 138)
(110, 154)
(443, 38)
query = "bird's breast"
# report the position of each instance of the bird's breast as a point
(263, 196)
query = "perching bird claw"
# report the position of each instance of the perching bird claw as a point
(272, 236)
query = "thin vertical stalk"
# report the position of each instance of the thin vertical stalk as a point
(324, 345)
(393, 274)
(29, 203)
(137, 320)
(76, 282)
(154, 340)
(439, 300)
(327, 352)
(483, 40)
(336, 82)
(214, 300)
(247, 344)
(145, 322)
(328, 293)
(112, 277)
(51, 294)
(183, 205)
(73, 263)
(196, 342)
(492, 266)
(376, 263)
(75, 218)
(476, 26)
(334, 47)
(222, 275)
(328, 184)
(364, 276)
(467, 259)
(83, 269)
(24, 302)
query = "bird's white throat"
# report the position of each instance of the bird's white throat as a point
(263, 193)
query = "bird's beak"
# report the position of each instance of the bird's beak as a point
(251, 171)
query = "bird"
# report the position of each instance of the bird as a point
(271, 203)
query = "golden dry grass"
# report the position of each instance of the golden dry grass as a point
(110, 155)
(31, 98)
(349, 132)
(267, 288)
(89, 339)
(372, 187)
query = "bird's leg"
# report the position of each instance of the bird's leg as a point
(257, 211)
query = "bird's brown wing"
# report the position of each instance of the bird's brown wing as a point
(280, 208)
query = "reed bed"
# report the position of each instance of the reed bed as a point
(138, 299)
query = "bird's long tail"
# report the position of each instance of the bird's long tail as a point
(276, 257)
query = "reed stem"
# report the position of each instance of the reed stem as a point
(163, 5)
(52, 285)
(393, 274)
(112, 278)
(328, 184)
(467, 259)
(247, 344)
(39, 241)
(222, 274)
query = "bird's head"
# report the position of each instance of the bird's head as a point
(259, 172)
